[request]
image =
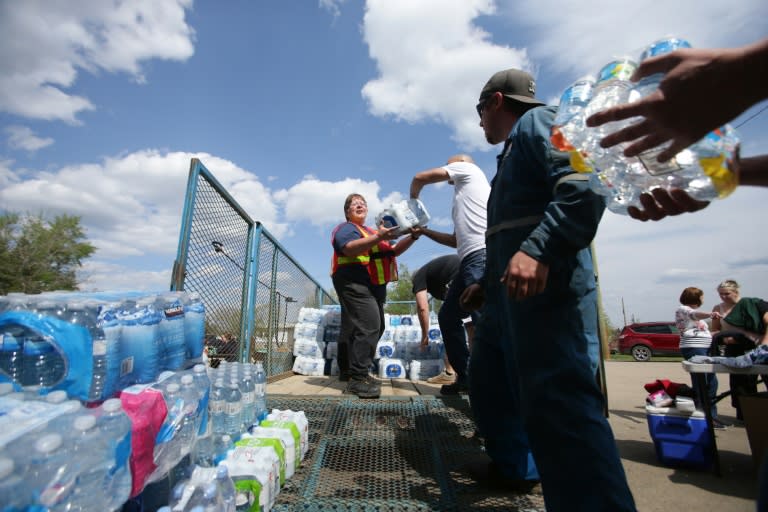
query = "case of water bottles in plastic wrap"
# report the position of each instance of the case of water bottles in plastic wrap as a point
(702, 170)
(92, 345)
(95, 405)
(316, 337)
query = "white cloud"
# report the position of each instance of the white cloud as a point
(432, 61)
(131, 205)
(649, 264)
(432, 56)
(584, 36)
(22, 137)
(46, 44)
(320, 203)
(332, 6)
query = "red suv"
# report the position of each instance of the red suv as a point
(646, 339)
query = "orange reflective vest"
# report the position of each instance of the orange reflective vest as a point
(380, 259)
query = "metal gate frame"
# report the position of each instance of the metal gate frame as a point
(220, 252)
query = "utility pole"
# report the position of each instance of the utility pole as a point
(623, 311)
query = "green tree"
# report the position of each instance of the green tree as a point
(38, 255)
(401, 290)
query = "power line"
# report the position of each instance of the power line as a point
(752, 117)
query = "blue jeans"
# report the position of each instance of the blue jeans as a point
(709, 378)
(471, 270)
(533, 384)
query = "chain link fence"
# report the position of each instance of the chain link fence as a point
(251, 287)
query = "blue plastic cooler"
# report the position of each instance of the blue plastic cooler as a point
(680, 438)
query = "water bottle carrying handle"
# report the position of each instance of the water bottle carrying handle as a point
(74, 342)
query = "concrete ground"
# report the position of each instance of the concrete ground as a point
(656, 488)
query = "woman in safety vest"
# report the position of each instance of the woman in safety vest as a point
(363, 263)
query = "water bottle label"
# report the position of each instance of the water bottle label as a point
(389, 221)
(394, 370)
(126, 366)
(233, 408)
(249, 397)
(664, 46)
(259, 388)
(617, 70)
(579, 92)
(656, 168)
(218, 406)
(174, 311)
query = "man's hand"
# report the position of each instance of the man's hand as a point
(524, 276)
(472, 298)
(661, 203)
(681, 111)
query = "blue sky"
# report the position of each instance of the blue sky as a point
(293, 105)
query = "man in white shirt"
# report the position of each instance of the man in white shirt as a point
(470, 196)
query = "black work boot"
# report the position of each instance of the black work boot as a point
(364, 387)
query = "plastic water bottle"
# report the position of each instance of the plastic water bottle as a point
(613, 87)
(51, 472)
(650, 83)
(569, 121)
(194, 325)
(221, 446)
(90, 452)
(115, 427)
(189, 425)
(203, 386)
(217, 406)
(107, 321)
(168, 453)
(171, 331)
(226, 489)
(41, 363)
(248, 391)
(205, 498)
(11, 357)
(14, 493)
(233, 416)
(141, 350)
(260, 393)
(85, 314)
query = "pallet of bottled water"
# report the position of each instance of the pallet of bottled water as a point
(92, 345)
(316, 329)
(58, 455)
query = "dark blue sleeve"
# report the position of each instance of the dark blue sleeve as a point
(345, 234)
(574, 211)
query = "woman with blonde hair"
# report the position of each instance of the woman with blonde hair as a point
(734, 340)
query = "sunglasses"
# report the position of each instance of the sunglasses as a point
(481, 106)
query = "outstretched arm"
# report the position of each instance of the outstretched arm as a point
(702, 89)
(661, 203)
(423, 178)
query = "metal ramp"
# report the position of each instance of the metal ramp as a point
(389, 454)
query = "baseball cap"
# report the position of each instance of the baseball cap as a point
(513, 84)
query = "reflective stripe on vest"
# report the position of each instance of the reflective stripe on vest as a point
(380, 259)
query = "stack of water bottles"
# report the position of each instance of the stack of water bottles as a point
(57, 455)
(315, 339)
(399, 353)
(403, 215)
(258, 450)
(702, 170)
(92, 345)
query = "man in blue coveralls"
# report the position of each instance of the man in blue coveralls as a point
(535, 348)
